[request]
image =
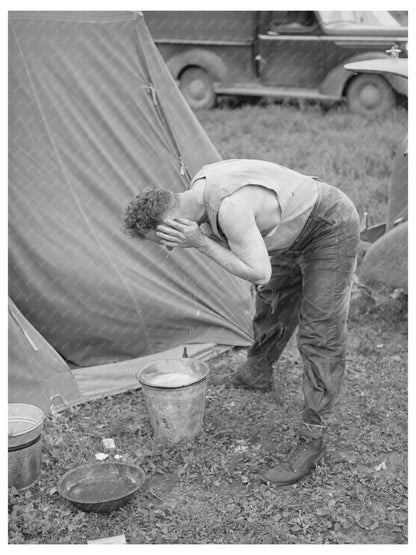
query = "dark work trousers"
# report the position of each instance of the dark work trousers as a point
(311, 287)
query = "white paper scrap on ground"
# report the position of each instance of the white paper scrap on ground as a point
(112, 539)
(109, 443)
(241, 447)
(101, 456)
(381, 466)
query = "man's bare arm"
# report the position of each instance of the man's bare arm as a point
(253, 270)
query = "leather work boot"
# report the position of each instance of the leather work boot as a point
(305, 457)
(252, 374)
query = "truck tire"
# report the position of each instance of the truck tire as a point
(370, 95)
(197, 87)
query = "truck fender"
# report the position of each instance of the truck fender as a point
(210, 62)
(397, 206)
(386, 259)
(335, 83)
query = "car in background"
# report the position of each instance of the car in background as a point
(386, 244)
(280, 54)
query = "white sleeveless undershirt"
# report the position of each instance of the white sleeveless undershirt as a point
(295, 192)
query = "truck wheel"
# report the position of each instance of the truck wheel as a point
(370, 95)
(197, 88)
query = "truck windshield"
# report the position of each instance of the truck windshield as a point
(362, 18)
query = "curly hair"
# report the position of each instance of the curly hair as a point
(146, 211)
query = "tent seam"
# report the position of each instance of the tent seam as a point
(161, 116)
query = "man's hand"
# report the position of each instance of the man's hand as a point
(244, 255)
(180, 232)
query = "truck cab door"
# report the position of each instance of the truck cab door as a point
(290, 50)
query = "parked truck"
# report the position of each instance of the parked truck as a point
(281, 54)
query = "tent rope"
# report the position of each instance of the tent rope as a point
(183, 170)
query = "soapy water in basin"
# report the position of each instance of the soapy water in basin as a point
(102, 490)
(173, 379)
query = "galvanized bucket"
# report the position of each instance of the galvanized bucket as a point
(176, 410)
(25, 444)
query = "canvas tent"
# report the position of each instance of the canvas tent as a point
(95, 117)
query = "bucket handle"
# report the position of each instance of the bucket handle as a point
(64, 401)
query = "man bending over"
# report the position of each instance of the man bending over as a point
(295, 238)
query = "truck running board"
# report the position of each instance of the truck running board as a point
(276, 92)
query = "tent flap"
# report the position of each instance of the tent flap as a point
(37, 373)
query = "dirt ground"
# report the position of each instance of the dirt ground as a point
(209, 490)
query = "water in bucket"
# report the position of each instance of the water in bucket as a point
(174, 393)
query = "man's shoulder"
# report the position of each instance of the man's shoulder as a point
(241, 198)
(235, 210)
